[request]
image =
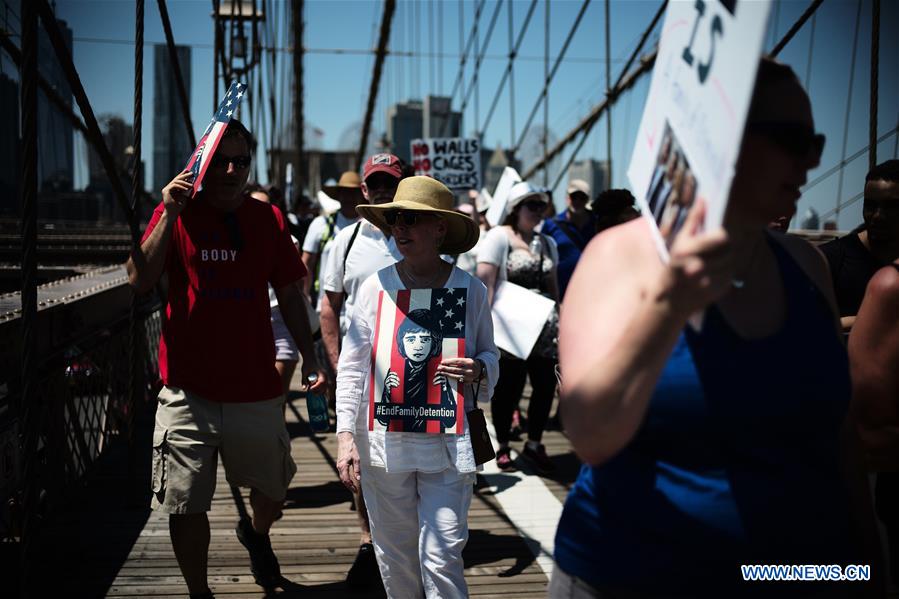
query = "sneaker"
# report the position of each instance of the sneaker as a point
(263, 562)
(504, 459)
(364, 573)
(536, 453)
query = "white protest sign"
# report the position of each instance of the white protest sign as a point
(689, 139)
(454, 161)
(497, 211)
(519, 315)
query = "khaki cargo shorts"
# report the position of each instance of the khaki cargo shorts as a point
(190, 434)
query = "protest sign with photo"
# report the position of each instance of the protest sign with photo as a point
(454, 161)
(415, 330)
(689, 138)
(202, 155)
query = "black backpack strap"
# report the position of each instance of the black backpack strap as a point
(349, 246)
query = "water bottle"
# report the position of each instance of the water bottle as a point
(317, 406)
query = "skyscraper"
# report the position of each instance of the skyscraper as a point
(171, 142)
(55, 142)
(414, 119)
(404, 123)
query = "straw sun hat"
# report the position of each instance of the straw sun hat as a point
(424, 194)
(349, 181)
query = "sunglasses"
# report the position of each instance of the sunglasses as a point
(407, 217)
(222, 161)
(381, 181)
(535, 205)
(794, 138)
(888, 208)
(233, 230)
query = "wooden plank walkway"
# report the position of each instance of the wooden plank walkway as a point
(108, 543)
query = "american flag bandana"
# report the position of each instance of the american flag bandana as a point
(200, 157)
(415, 330)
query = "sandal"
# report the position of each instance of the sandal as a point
(504, 459)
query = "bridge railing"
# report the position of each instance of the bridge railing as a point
(83, 385)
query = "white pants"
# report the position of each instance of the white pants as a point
(419, 526)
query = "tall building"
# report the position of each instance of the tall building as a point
(10, 150)
(171, 142)
(55, 142)
(594, 172)
(404, 123)
(439, 118)
(414, 119)
(119, 137)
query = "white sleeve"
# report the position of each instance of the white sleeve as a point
(314, 235)
(355, 358)
(485, 346)
(494, 247)
(331, 275)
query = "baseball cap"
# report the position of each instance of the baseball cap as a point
(383, 163)
(579, 185)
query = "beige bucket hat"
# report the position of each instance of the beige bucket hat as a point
(424, 194)
(349, 181)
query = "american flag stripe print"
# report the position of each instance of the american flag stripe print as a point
(199, 159)
(448, 325)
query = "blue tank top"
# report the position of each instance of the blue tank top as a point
(736, 461)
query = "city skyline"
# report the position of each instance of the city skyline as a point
(337, 84)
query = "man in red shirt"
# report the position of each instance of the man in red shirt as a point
(222, 394)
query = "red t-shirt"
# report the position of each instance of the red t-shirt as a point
(217, 336)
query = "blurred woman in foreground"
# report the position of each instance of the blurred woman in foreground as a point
(711, 449)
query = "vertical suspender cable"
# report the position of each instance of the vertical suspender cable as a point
(134, 324)
(215, 54)
(808, 64)
(509, 73)
(608, 92)
(552, 73)
(384, 38)
(858, 15)
(586, 124)
(431, 88)
(64, 56)
(30, 403)
(297, 25)
(812, 7)
(875, 67)
(546, 93)
(480, 52)
(511, 82)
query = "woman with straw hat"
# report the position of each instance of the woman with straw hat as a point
(418, 485)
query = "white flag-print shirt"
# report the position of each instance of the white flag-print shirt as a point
(403, 451)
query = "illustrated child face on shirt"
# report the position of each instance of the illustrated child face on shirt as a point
(417, 345)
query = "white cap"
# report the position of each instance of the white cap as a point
(524, 190)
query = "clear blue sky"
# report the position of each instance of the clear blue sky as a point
(337, 85)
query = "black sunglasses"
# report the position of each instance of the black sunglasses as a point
(408, 217)
(795, 138)
(222, 161)
(889, 208)
(233, 227)
(535, 205)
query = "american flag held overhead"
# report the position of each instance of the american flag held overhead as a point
(199, 158)
(415, 330)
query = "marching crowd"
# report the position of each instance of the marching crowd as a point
(720, 418)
